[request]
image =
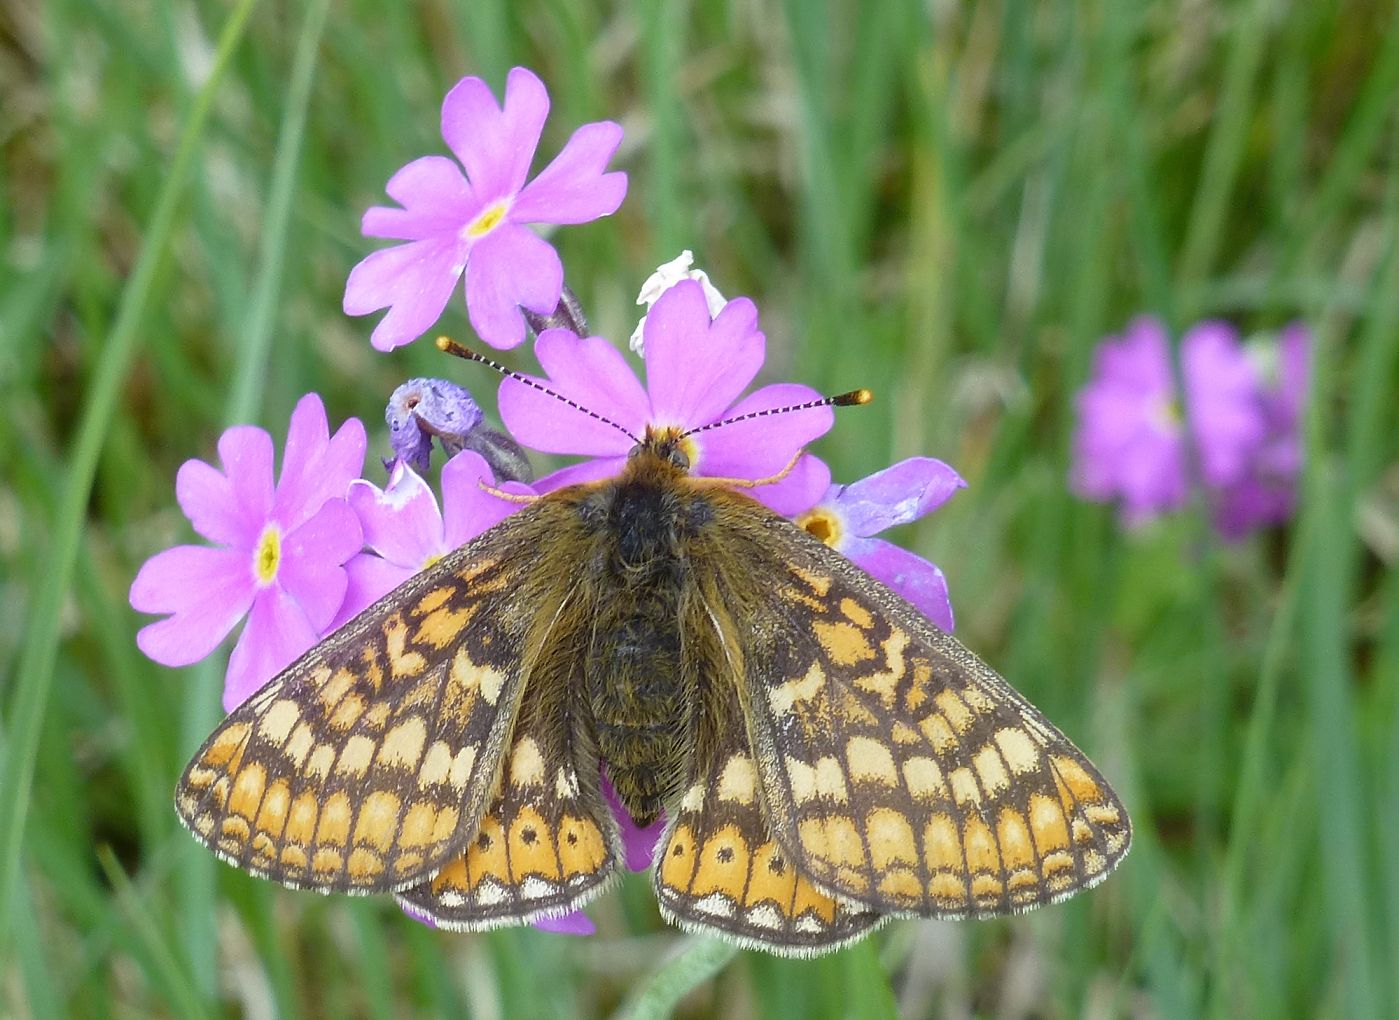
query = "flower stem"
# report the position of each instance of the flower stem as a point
(699, 960)
(568, 315)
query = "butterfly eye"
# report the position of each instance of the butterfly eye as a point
(679, 458)
(634, 452)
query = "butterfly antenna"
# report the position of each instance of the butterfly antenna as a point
(851, 399)
(450, 346)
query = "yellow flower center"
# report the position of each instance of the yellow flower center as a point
(430, 561)
(488, 220)
(269, 555)
(1166, 416)
(821, 524)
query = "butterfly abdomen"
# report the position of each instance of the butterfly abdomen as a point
(641, 691)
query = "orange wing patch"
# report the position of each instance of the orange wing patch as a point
(547, 845)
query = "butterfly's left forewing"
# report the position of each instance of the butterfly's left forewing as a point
(368, 763)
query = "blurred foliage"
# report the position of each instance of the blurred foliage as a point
(946, 203)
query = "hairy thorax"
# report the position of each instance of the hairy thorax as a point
(641, 685)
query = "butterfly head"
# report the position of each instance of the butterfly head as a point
(666, 447)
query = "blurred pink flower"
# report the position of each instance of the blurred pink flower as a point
(1134, 442)
(1267, 491)
(475, 224)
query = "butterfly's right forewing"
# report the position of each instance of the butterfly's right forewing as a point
(897, 769)
(368, 763)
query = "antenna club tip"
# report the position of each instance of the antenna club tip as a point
(854, 398)
(445, 343)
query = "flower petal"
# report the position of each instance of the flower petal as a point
(586, 471)
(896, 495)
(1129, 442)
(591, 373)
(694, 368)
(913, 577)
(496, 144)
(638, 843)
(312, 557)
(230, 507)
(799, 491)
(205, 591)
(510, 267)
(316, 467)
(1222, 401)
(1153, 475)
(368, 579)
(1139, 359)
(1254, 502)
(573, 188)
(761, 446)
(666, 277)
(468, 510)
(401, 523)
(276, 633)
(421, 916)
(575, 922)
(435, 197)
(414, 281)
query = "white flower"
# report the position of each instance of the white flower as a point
(666, 277)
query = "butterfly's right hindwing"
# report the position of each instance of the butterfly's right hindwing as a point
(719, 869)
(368, 763)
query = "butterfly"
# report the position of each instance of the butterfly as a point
(826, 757)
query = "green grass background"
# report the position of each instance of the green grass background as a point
(946, 203)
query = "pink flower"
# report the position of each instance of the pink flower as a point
(1135, 444)
(696, 368)
(1130, 442)
(848, 515)
(475, 224)
(1221, 399)
(279, 551)
(405, 531)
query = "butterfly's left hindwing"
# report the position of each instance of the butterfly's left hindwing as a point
(549, 843)
(367, 764)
